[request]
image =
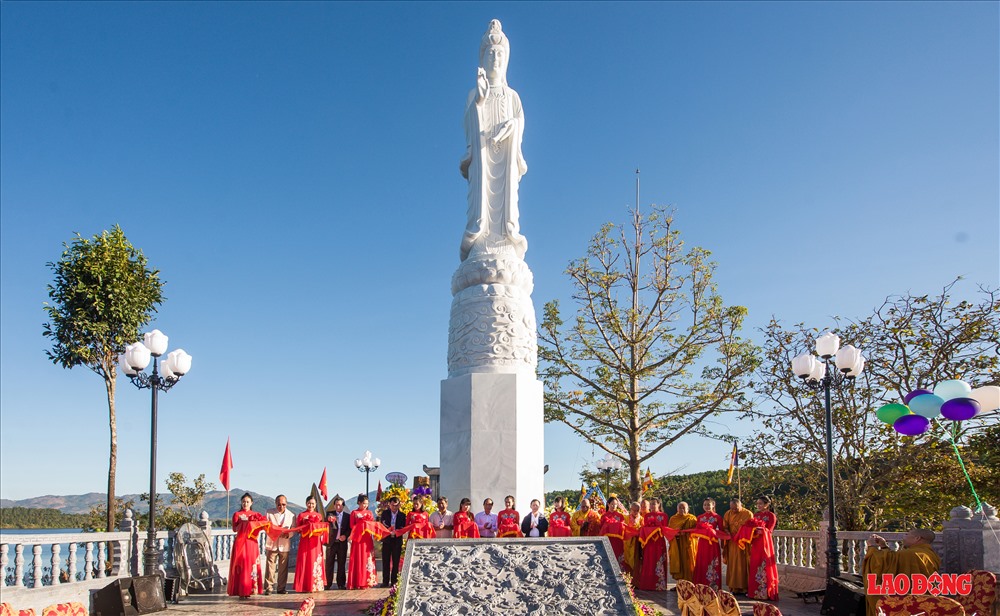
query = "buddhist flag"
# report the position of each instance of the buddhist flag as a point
(734, 463)
(227, 465)
(647, 481)
(322, 485)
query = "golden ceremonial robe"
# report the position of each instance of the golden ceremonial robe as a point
(682, 549)
(736, 557)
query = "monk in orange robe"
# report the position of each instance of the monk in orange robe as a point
(585, 521)
(682, 552)
(733, 555)
(916, 556)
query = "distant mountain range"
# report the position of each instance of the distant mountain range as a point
(215, 502)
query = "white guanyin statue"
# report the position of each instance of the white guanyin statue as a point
(492, 324)
(493, 163)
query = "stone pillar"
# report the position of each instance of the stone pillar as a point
(128, 525)
(205, 523)
(969, 541)
(823, 542)
(491, 439)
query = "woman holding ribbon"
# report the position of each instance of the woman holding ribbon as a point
(245, 578)
(310, 568)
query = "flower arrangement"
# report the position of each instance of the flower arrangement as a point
(386, 606)
(399, 492)
(641, 608)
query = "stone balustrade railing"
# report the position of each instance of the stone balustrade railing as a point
(41, 569)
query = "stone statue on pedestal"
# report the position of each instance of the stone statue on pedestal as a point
(492, 422)
(492, 326)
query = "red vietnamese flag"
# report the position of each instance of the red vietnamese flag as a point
(378, 495)
(322, 485)
(227, 465)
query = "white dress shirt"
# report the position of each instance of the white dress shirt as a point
(481, 519)
(283, 520)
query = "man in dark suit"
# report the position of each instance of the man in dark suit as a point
(535, 524)
(336, 550)
(392, 544)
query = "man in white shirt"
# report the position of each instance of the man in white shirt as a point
(277, 550)
(535, 524)
(487, 521)
(441, 519)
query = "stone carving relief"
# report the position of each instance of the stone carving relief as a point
(537, 577)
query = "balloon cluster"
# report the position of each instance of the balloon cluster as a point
(422, 491)
(954, 400)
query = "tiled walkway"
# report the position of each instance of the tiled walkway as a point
(354, 602)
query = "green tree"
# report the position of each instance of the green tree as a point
(882, 480)
(102, 294)
(188, 499)
(652, 351)
(97, 518)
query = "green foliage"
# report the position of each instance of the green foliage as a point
(883, 481)
(28, 517)
(184, 503)
(652, 351)
(101, 295)
(96, 519)
(572, 498)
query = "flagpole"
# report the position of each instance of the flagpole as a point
(228, 521)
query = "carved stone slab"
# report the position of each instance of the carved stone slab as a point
(572, 575)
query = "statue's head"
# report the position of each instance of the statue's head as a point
(494, 51)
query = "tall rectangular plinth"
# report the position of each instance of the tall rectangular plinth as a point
(492, 441)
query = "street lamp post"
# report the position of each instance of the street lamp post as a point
(607, 465)
(367, 465)
(177, 364)
(814, 373)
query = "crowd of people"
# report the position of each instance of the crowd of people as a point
(648, 543)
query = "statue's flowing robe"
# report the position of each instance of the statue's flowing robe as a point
(494, 172)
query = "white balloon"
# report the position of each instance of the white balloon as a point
(988, 397)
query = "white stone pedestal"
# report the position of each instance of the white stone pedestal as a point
(492, 441)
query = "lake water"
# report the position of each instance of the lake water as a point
(9, 536)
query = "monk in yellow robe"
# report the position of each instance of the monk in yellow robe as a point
(585, 522)
(736, 558)
(916, 556)
(682, 549)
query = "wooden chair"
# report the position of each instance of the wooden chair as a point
(687, 597)
(728, 604)
(765, 609)
(65, 609)
(982, 601)
(926, 605)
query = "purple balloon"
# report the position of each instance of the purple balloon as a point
(960, 409)
(911, 425)
(913, 394)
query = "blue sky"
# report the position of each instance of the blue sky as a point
(292, 170)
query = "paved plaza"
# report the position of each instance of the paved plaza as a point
(354, 602)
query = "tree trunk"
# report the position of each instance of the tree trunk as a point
(113, 458)
(634, 480)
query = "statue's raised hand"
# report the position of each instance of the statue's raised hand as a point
(482, 85)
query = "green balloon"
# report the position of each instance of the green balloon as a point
(891, 412)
